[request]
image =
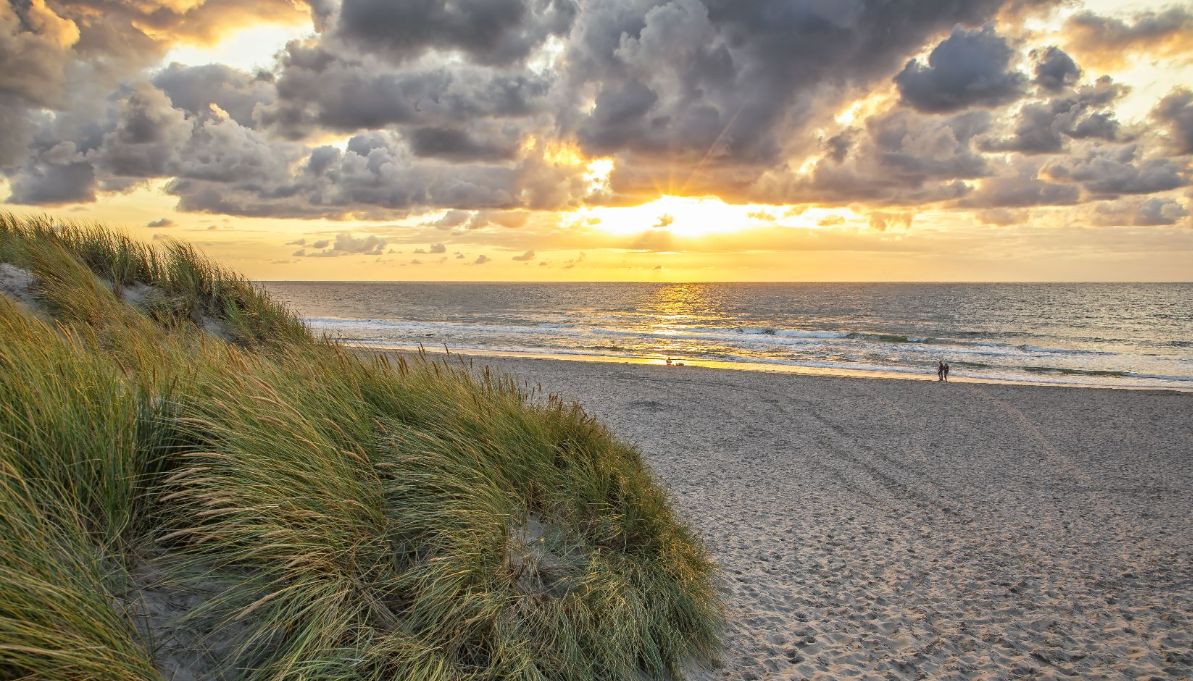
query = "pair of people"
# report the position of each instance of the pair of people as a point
(942, 371)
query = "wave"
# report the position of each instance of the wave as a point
(977, 357)
(1064, 371)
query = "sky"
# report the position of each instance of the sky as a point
(620, 140)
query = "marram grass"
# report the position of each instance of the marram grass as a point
(348, 517)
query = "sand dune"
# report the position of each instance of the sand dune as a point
(900, 530)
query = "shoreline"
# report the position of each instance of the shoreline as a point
(746, 367)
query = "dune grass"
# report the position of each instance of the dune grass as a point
(364, 519)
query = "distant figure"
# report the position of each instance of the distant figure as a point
(946, 372)
(940, 370)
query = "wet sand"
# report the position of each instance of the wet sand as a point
(887, 529)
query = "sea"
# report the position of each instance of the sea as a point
(1104, 335)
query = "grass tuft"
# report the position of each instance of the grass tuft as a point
(349, 517)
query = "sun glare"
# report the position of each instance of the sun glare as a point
(691, 217)
(247, 48)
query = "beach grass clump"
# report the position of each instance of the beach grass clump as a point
(58, 615)
(349, 516)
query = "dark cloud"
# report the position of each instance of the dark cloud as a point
(900, 157)
(160, 222)
(725, 88)
(837, 147)
(525, 257)
(320, 89)
(146, 136)
(46, 182)
(489, 143)
(18, 132)
(1175, 112)
(970, 68)
(1055, 70)
(488, 31)
(461, 105)
(1111, 171)
(1042, 127)
(195, 89)
(481, 260)
(1021, 187)
(376, 175)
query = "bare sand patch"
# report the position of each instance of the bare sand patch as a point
(887, 529)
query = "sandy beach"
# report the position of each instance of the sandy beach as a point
(886, 529)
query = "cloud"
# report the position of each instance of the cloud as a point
(345, 244)
(728, 87)
(450, 219)
(488, 111)
(462, 144)
(970, 68)
(525, 257)
(487, 31)
(1108, 42)
(1146, 213)
(160, 222)
(323, 86)
(195, 89)
(573, 262)
(437, 248)
(1003, 217)
(900, 157)
(1043, 127)
(882, 221)
(1175, 112)
(1055, 70)
(146, 136)
(481, 260)
(1109, 172)
(53, 179)
(1022, 188)
(664, 220)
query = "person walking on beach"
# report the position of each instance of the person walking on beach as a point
(946, 372)
(940, 370)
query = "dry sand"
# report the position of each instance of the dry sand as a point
(887, 529)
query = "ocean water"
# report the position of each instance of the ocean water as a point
(1118, 335)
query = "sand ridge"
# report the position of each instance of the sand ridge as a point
(884, 529)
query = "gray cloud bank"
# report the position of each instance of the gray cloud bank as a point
(462, 105)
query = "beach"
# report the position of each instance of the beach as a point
(896, 529)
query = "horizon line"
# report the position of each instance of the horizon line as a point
(644, 281)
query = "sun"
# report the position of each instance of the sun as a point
(683, 216)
